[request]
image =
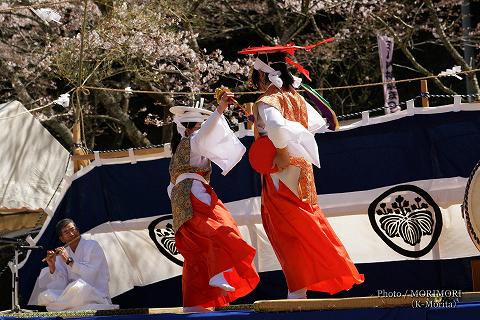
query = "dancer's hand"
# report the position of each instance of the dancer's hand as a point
(63, 253)
(282, 159)
(225, 101)
(50, 260)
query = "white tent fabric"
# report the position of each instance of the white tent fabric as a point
(32, 162)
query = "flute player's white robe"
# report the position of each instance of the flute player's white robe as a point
(80, 286)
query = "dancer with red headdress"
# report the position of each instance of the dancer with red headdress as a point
(311, 255)
(218, 263)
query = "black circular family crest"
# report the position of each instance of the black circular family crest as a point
(162, 234)
(405, 215)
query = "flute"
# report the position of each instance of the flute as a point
(64, 246)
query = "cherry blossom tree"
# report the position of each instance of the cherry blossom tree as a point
(144, 45)
(176, 51)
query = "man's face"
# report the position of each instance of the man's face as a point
(68, 233)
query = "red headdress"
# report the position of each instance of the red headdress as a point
(290, 49)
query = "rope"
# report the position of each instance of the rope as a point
(37, 223)
(428, 95)
(82, 125)
(260, 92)
(135, 148)
(354, 114)
(422, 95)
(341, 117)
(28, 111)
(396, 81)
(32, 110)
(168, 92)
(80, 89)
(82, 37)
(345, 116)
(359, 113)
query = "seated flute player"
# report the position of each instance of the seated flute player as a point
(77, 274)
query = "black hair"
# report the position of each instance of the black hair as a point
(61, 224)
(176, 137)
(277, 62)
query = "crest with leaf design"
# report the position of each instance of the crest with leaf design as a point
(410, 221)
(407, 219)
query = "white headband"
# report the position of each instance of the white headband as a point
(188, 117)
(274, 75)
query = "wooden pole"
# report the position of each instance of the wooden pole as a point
(424, 89)
(76, 130)
(76, 144)
(78, 162)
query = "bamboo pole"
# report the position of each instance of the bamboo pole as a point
(78, 163)
(76, 144)
(292, 305)
(424, 89)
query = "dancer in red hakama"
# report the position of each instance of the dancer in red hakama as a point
(310, 254)
(218, 264)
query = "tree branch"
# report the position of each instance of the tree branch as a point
(61, 131)
(315, 26)
(302, 20)
(450, 48)
(250, 24)
(17, 84)
(102, 117)
(402, 45)
(114, 110)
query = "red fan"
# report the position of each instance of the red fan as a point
(288, 48)
(261, 155)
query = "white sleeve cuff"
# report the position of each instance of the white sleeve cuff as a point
(275, 125)
(316, 123)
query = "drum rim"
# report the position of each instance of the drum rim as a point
(466, 208)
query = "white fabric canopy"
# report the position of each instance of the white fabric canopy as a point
(32, 162)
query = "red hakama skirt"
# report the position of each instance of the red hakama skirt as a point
(309, 251)
(210, 243)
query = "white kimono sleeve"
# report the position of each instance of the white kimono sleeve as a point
(93, 268)
(291, 134)
(57, 280)
(316, 123)
(217, 142)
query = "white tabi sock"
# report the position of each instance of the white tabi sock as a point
(219, 281)
(299, 294)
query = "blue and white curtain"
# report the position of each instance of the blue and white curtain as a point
(392, 190)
